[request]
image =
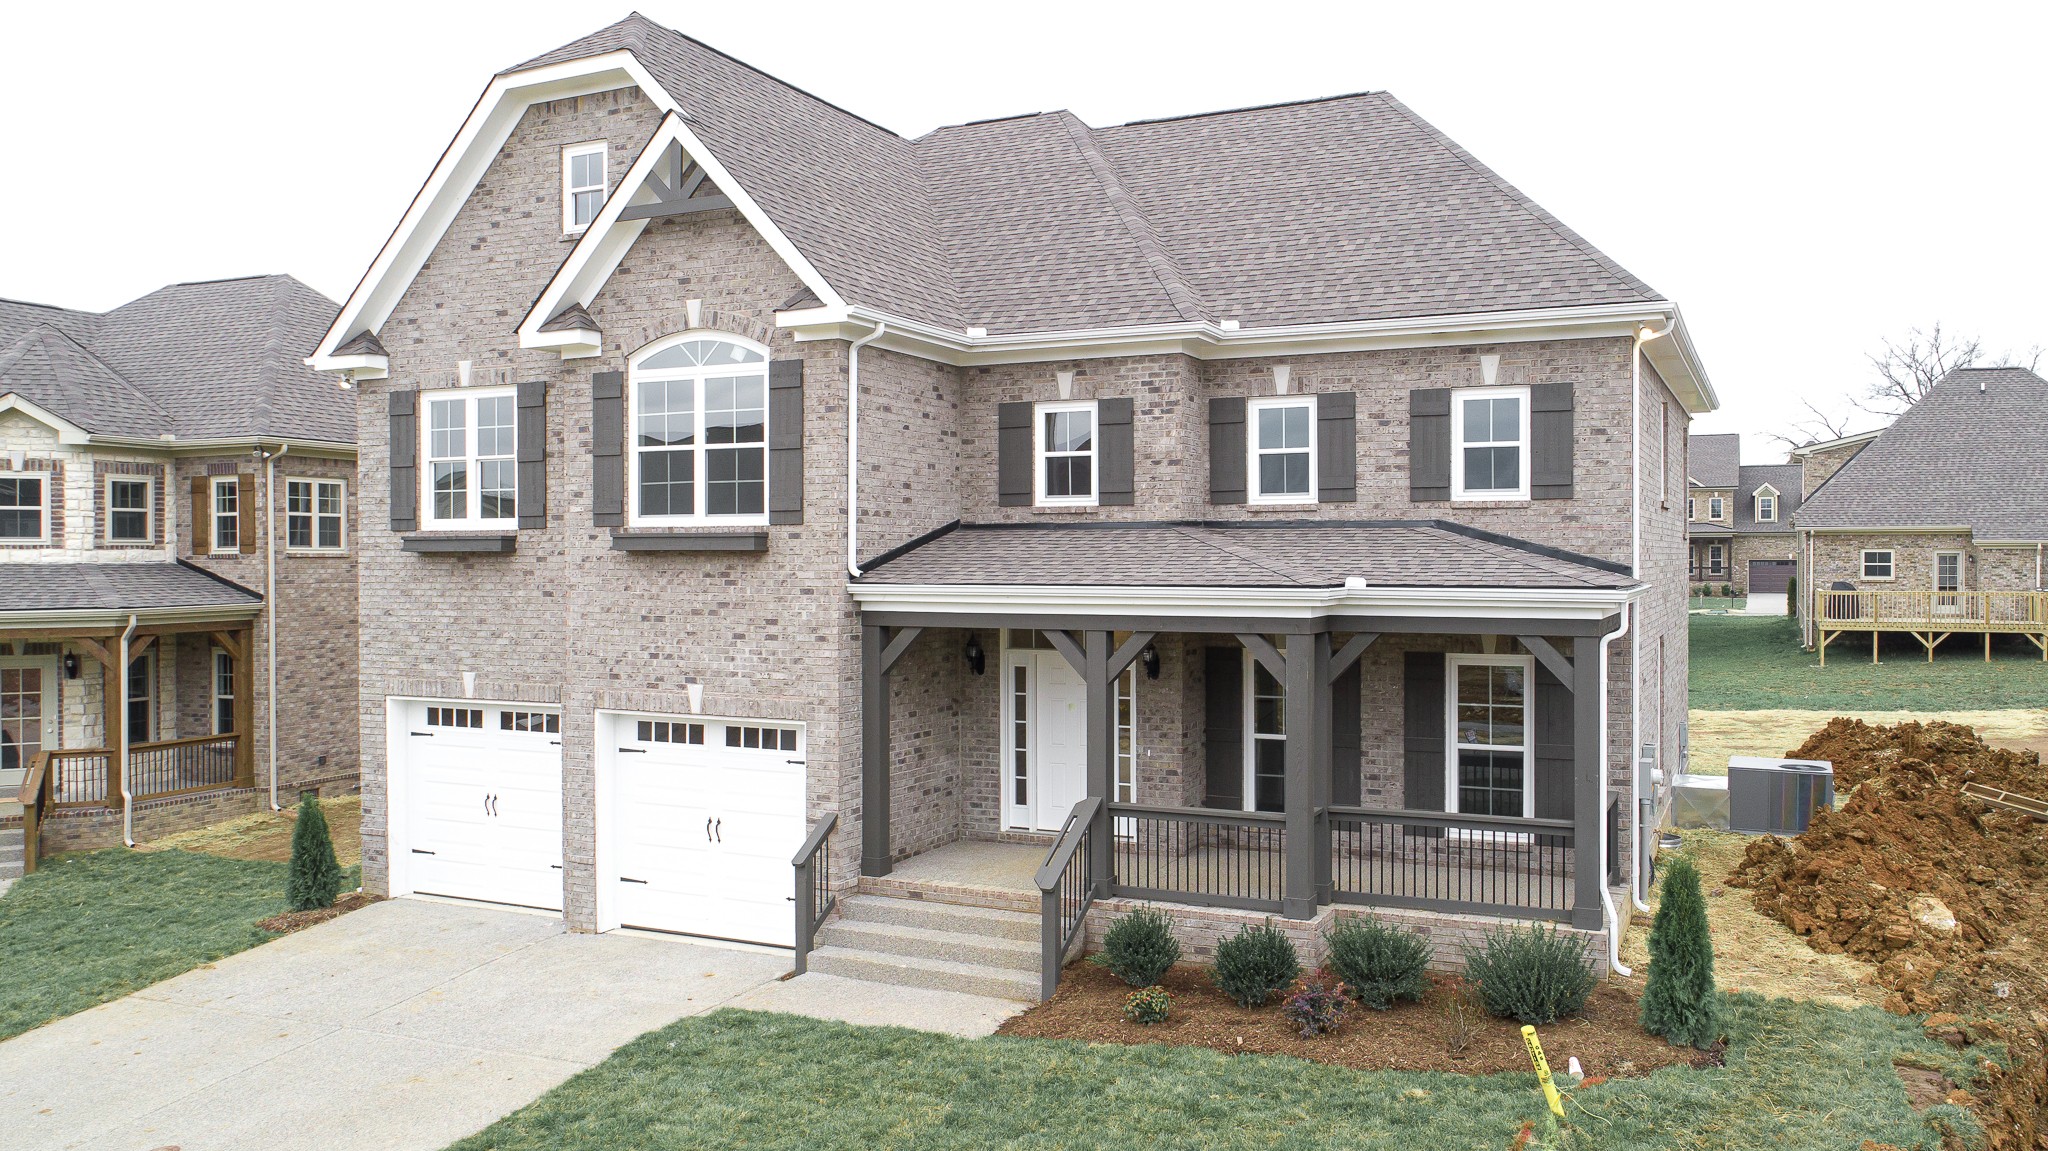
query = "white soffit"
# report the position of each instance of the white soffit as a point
(1286, 603)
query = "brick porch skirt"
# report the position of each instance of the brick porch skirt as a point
(90, 828)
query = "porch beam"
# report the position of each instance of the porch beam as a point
(100, 651)
(1350, 653)
(1068, 649)
(1548, 655)
(140, 644)
(1305, 692)
(1101, 712)
(875, 857)
(898, 645)
(228, 643)
(1237, 625)
(1589, 776)
(1262, 649)
(245, 708)
(1128, 651)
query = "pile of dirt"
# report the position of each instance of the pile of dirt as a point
(1862, 751)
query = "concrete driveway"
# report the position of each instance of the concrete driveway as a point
(407, 1024)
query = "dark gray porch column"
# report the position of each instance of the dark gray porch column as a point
(1326, 714)
(1589, 783)
(1101, 754)
(1307, 756)
(874, 752)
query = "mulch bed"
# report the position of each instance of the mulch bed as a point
(1408, 1037)
(292, 921)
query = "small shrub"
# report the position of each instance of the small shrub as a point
(1254, 963)
(1148, 1005)
(1140, 947)
(315, 876)
(1379, 963)
(1316, 1005)
(1463, 1014)
(1679, 1002)
(1792, 596)
(1534, 974)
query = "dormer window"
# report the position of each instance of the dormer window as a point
(583, 184)
(1767, 505)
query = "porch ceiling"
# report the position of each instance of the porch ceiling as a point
(46, 595)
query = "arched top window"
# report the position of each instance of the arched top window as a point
(699, 431)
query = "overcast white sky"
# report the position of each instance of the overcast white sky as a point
(1804, 180)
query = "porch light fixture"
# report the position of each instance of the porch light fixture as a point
(1150, 658)
(70, 665)
(977, 661)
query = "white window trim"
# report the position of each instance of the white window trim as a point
(213, 513)
(701, 473)
(213, 693)
(1761, 500)
(1934, 572)
(49, 497)
(1458, 492)
(315, 547)
(1249, 786)
(1253, 451)
(148, 510)
(1891, 562)
(1717, 507)
(1717, 560)
(1094, 454)
(473, 493)
(1452, 663)
(600, 149)
(1691, 513)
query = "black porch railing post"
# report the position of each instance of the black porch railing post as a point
(1307, 698)
(1589, 784)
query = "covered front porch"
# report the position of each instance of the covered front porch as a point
(1231, 744)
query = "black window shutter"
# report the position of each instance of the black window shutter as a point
(532, 435)
(1226, 450)
(1554, 758)
(1223, 672)
(1422, 731)
(1347, 706)
(608, 449)
(1013, 454)
(1429, 444)
(1550, 435)
(1337, 447)
(405, 455)
(786, 442)
(1117, 481)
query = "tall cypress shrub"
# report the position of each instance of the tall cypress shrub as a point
(315, 876)
(1680, 1003)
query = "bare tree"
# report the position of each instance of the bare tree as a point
(1907, 370)
(1818, 425)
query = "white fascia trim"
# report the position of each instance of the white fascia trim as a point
(1845, 441)
(605, 243)
(359, 367)
(491, 121)
(1288, 603)
(171, 445)
(68, 433)
(95, 622)
(574, 344)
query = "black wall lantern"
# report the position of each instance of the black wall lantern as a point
(1150, 658)
(976, 661)
(70, 665)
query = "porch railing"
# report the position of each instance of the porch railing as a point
(76, 777)
(1479, 864)
(1065, 892)
(31, 798)
(1904, 609)
(179, 766)
(1193, 855)
(814, 898)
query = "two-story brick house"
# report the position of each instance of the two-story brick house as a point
(1739, 520)
(175, 501)
(1258, 535)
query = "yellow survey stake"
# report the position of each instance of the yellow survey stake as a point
(1542, 1070)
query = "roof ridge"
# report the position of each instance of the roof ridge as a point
(49, 307)
(86, 350)
(1305, 101)
(1627, 278)
(1167, 270)
(273, 344)
(1207, 537)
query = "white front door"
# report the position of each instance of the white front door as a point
(478, 791)
(1948, 582)
(1062, 760)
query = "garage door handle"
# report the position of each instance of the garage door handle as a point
(720, 829)
(641, 882)
(632, 750)
(707, 831)
(421, 851)
(428, 734)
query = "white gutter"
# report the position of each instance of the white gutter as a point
(270, 609)
(120, 678)
(853, 448)
(1298, 603)
(1635, 566)
(1607, 896)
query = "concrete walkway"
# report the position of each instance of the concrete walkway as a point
(407, 1024)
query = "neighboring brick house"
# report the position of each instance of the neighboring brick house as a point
(1139, 445)
(1739, 518)
(1934, 526)
(138, 452)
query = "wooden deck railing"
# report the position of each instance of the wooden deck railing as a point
(1930, 616)
(77, 777)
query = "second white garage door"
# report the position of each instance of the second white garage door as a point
(705, 815)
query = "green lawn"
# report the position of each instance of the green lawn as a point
(1799, 1075)
(1744, 663)
(92, 927)
(1722, 603)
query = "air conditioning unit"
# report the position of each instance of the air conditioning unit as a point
(1777, 796)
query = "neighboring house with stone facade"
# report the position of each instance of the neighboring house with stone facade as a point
(1738, 519)
(176, 489)
(1935, 526)
(743, 481)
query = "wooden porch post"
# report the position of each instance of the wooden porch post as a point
(245, 707)
(114, 710)
(874, 753)
(1306, 757)
(1589, 776)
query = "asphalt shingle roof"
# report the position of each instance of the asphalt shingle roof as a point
(1787, 478)
(217, 359)
(1714, 461)
(1350, 208)
(1232, 555)
(115, 587)
(1972, 453)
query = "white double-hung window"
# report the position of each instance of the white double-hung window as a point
(1490, 444)
(1064, 435)
(24, 508)
(699, 432)
(471, 469)
(582, 185)
(1283, 450)
(313, 515)
(1488, 772)
(128, 509)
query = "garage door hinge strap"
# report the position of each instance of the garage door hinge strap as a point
(623, 879)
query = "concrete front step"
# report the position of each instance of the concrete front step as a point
(897, 940)
(989, 922)
(12, 859)
(938, 974)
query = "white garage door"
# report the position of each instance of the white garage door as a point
(481, 793)
(705, 817)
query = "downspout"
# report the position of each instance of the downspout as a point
(270, 611)
(1614, 963)
(853, 448)
(121, 678)
(1635, 566)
